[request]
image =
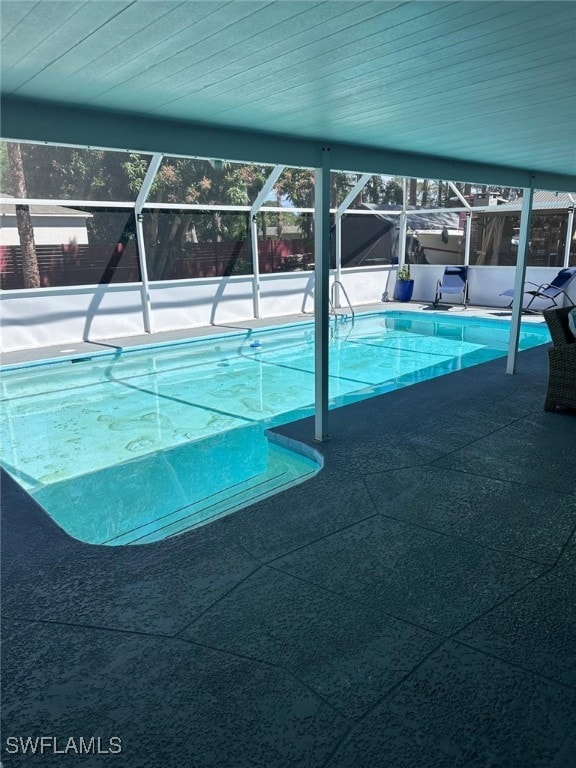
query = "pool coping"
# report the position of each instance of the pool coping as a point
(111, 345)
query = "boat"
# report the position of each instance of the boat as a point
(432, 237)
(437, 246)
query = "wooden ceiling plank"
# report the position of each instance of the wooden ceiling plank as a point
(399, 80)
(346, 13)
(13, 14)
(296, 61)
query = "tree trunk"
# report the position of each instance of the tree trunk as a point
(424, 193)
(24, 220)
(166, 257)
(412, 186)
(279, 222)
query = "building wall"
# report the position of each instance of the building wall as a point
(48, 230)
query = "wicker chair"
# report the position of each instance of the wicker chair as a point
(562, 361)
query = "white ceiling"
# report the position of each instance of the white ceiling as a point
(484, 83)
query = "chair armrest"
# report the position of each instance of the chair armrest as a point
(539, 287)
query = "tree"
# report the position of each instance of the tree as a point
(412, 189)
(174, 234)
(23, 219)
(171, 234)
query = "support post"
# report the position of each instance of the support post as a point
(403, 226)
(321, 287)
(338, 249)
(340, 211)
(256, 205)
(459, 195)
(468, 238)
(140, 200)
(468, 207)
(569, 227)
(255, 266)
(523, 243)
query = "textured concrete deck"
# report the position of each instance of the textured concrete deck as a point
(412, 606)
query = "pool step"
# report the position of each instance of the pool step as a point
(284, 471)
(165, 493)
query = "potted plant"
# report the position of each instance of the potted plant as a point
(404, 284)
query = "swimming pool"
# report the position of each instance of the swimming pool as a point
(131, 446)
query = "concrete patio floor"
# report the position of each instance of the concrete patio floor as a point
(411, 606)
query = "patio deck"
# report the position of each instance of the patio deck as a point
(411, 606)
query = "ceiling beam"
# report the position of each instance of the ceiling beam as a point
(32, 120)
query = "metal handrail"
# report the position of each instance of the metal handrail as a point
(332, 297)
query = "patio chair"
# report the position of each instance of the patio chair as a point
(561, 360)
(455, 281)
(552, 291)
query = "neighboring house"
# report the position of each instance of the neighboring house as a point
(53, 225)
(496, 232)
(63, 251)
(287, 232)
(543, 201)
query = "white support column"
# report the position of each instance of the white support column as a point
(338, 249)
(321, 287)
(403, 226)
(523, 241)
(255, 266)
(258, 203)
(340, 211)
(402, 229)
(468, 207)
(354, 192)
(459, 195)
(569, 227)
(140, 200)
(468, 238)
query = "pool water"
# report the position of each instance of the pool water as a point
(133, 446)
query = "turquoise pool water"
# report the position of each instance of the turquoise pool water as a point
(136, 445)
